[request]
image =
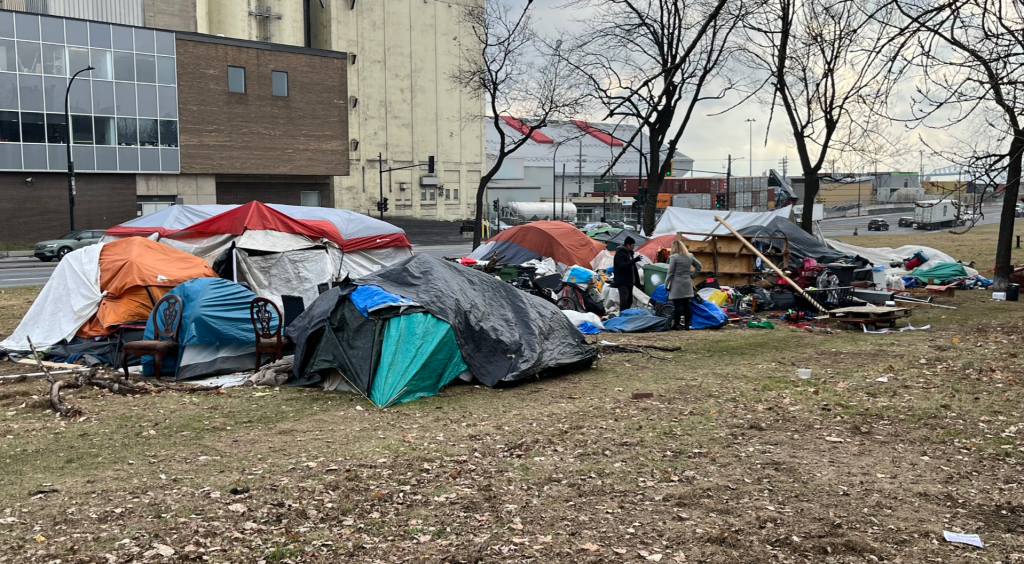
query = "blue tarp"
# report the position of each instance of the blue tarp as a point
(371, 298)
(660, 294)
(419, 357)
(706, 315)
(215, 312)
(637, 321)
(588, 328)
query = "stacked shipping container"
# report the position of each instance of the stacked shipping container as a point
(746, 193)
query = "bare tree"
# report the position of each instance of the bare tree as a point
(830, 67)
(971, 57)
(654, 61)
(519, 76)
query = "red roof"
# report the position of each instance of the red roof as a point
(597, 133)
(257, 216)
(524, 129)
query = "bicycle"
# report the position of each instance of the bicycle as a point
(570, 298)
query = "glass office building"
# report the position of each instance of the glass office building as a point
(124, 113)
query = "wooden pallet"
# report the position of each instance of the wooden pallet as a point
(863, 315)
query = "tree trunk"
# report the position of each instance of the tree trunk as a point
(811, 186)
(651, 204)
(1004, 248)
(477, 225)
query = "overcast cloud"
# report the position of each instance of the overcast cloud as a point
(709, 139)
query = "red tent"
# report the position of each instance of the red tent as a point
(255, 216)
(562, 242)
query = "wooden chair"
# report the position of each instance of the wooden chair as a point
(168, 310)
(262, 312)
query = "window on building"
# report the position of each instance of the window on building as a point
(101, 62)
(78, 59)
(148, 133)
(124, 66)
(81, 130)
(430, 194)
(447, 194)
(127, 132)
(56, 128)
(30, 58)
(423, 194)
(168, 133)
(104, 130)
(236, 79)
(33, 128)
(279, 83)
(10, 130)
(53, 59)
(310, 198)
(455, 194)
(7, 59)
(145, 68)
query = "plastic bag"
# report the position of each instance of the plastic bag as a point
(579, 275)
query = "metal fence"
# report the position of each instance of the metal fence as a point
(126, 12)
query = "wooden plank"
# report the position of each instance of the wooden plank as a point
(47, 363)
(781, 274)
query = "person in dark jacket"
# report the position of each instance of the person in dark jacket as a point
(626, 275)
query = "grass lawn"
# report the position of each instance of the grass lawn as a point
(735, 459)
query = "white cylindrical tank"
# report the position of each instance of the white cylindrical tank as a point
(537, 211)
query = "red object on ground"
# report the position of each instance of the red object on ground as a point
(651, 247)
(597, 133)
(468, 261)
(524, 129)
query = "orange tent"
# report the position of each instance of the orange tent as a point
(135, 273)
(562, 242)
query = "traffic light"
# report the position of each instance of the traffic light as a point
(495, 203)
(719, 201)
(671, 164)
(430, 164)
(384, 205)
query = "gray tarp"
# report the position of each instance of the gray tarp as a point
(504, 333)
(801, 243)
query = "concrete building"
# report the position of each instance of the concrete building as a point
(399, 103)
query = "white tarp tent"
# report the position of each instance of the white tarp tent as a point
(70, 298)
(886, 255)
(674, 220)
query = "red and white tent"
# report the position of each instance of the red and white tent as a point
(277, 249)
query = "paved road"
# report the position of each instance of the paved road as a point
(24, 271)
(441, 251)
(845, 225)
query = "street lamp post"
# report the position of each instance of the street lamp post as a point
(554, 200)
(67, 138)
(750, 144)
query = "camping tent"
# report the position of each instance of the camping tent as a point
(501, 333)
(560, 241)
(276, 249)
(687, 220)
(99, 287)
(216, 335)
(614, 239)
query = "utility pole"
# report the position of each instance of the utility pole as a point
(67, 139)
(563, 191)
(784, 162)
(750, 144)
(728, 180)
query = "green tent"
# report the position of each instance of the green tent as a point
(419, 357)
(941, 273)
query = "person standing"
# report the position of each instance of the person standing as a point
(682, 267)
(626, 275)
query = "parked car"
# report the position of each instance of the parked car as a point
(969, 218)
(1019, 211)
(57, 248)
(878, 224)
(905, 222)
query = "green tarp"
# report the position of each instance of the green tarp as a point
(941, 273)
(419, 357)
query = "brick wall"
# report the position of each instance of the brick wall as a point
(235, 190)
(223, 132)
(38, 212)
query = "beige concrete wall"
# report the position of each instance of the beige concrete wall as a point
(191, 188)
(232, 18)
(407, 108)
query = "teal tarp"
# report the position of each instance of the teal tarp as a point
(941, 273)
(419, 357)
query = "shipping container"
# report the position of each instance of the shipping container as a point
(692, 201)
(664, 201)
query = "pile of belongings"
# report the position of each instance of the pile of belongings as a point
(410, 329)
(275, 249)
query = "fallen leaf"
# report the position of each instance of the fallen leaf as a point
(834, 439)
(164, 550)
(620, 550)
(590, 546)
(40, 538)
(654, 558)
(956, 340)
(237, 508)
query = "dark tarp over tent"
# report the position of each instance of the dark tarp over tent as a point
(504, 333)
(615, 240)
(801, 243)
